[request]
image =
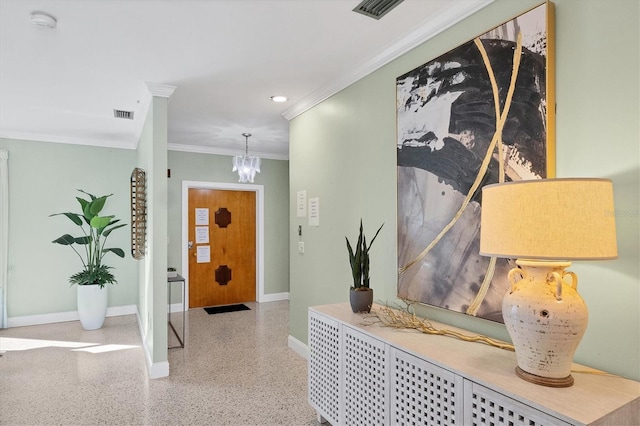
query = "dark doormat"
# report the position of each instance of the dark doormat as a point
(228, 308)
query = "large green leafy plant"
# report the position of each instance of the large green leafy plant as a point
(96, 229)
(359, 259)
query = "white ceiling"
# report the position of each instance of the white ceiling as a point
(225, 58)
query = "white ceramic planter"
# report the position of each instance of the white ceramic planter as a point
(92, 306)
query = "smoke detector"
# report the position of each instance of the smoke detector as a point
(43, 20)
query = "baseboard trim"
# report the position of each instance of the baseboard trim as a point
(52, 318)
(159, 370)
(156, 370)
(298, 347)
(274, 297)
(116, 311)
(176, 307)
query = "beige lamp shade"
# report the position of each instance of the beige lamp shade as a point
(563, 219)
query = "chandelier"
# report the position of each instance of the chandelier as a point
(246, 165)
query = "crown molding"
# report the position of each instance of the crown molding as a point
(109, 143)
(195, 149)
(88, 141)
(160, 90)
(430, 28)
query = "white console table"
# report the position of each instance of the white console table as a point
(372, 375)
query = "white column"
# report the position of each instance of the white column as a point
(4, 234)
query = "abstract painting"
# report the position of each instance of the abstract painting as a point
(481, 113)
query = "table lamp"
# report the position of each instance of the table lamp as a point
(545, 223)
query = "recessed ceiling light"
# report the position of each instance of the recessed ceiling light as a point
(279, 98)
(43, 19)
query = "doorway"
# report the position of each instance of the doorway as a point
(259, 229)
(222, 247)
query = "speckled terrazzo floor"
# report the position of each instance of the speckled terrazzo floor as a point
(236, 369)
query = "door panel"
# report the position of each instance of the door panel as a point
(231, 222)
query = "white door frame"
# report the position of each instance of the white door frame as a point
(259, 190)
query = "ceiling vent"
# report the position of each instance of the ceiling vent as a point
(118, 113)
(376, 9)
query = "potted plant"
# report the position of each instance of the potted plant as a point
(360, 295)
(92, 296)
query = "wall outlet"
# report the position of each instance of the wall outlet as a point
(301, 247)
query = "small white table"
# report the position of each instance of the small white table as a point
(171, 280)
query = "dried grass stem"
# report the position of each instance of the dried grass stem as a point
(403, 318)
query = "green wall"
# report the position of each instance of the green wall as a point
(274, 177)
(43, 178)
(343, 151)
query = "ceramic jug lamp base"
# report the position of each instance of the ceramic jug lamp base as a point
(546, 318)
(551, 382)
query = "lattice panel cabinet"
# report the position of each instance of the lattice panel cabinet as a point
(362, 373)
(324, 367)
(423, 393)
(486, 407)
(366, 380)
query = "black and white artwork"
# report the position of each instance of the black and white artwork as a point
(479, 114)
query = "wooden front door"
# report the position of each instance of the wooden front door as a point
(222, 241)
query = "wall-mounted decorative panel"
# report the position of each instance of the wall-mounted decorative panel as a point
(138, 213)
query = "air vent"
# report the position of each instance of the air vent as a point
(376, 9)
(118, 113)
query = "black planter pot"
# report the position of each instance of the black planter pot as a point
(361, 300)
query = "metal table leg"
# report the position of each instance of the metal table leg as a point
(171, 280)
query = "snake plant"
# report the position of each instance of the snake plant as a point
(359, 259)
